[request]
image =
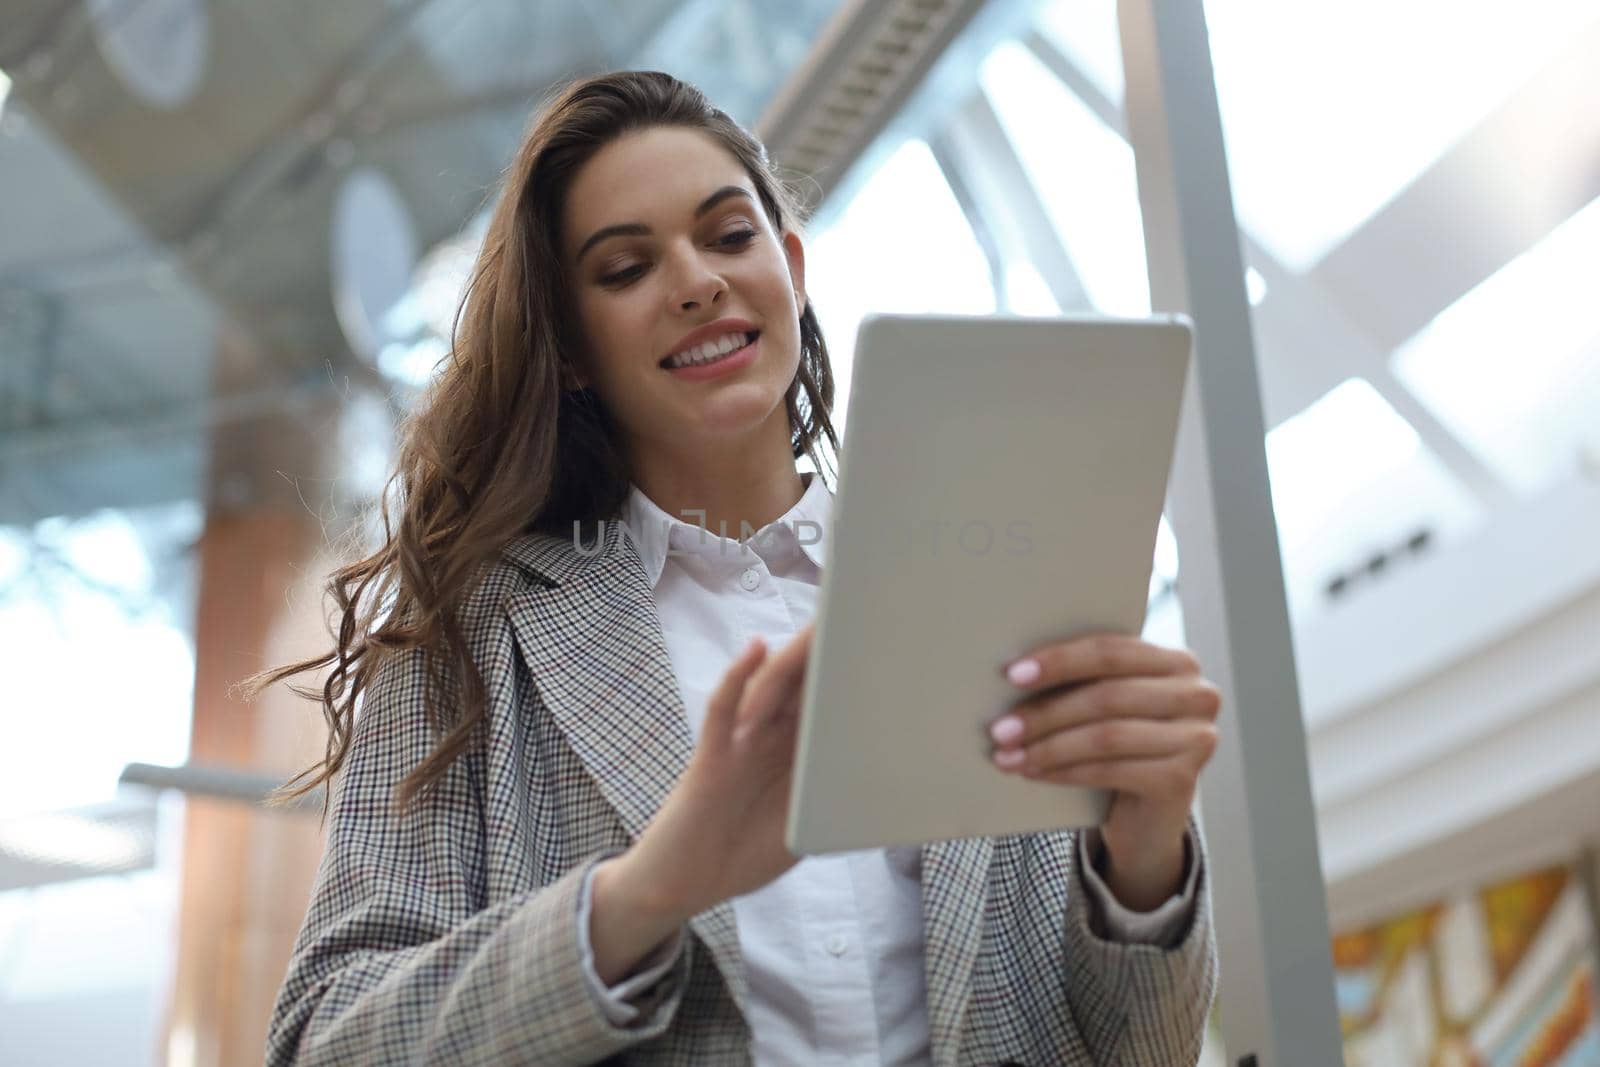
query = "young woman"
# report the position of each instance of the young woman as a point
(557, 832)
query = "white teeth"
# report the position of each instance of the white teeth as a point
(710, 350)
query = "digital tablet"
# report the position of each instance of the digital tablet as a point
(1000, 485)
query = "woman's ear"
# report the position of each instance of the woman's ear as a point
(796, 254)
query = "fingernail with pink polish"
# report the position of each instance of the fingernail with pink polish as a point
(1006, 729)
(1009, 758)
(1023, 671)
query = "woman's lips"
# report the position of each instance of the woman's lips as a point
(728, 364)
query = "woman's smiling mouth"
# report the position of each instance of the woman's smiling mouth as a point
(710, 351)
(715, 359)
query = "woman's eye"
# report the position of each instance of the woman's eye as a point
(623, 275)
(737, 239)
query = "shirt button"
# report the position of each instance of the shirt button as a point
(836, 945)
(750, 578)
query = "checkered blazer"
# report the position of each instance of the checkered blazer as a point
(450, 936)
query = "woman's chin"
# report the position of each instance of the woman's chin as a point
(737, 407)
(733, 421)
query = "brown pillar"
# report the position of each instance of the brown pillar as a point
(247, 870)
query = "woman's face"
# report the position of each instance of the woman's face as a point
(664, 235)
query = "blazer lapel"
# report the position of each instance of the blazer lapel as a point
(955, 893)
(593, 645)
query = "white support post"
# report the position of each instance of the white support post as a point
(1276, 995)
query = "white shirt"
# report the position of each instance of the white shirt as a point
(833, 947)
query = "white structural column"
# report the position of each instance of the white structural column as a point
(1277, 993)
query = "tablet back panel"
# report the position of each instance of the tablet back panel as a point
(1000, 486)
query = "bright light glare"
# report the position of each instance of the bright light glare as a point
(67, 839)
(1166, 562)
(66, 744)
(1325, 455)
(412, 363)
(1027, 293)
(1255, 285)
(1513, 367)
(1084, 172)
(1330, 109)
(901, 245)
(1086, 31)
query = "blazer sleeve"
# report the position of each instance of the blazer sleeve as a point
(1142, 1003)
(401, 959)
(1162, 925)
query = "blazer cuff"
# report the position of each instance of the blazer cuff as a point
(1163, 926)
(624, 1002)
(1141, 1003)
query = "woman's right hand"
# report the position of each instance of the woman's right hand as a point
(720, 832)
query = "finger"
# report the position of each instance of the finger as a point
(1156, 779)
(1182, 697)
(779, 680)
(1111, 739)
(722, 708)
(777, 702)
(1103, 655)
(774, 725)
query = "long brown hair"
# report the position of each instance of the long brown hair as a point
(499, 443)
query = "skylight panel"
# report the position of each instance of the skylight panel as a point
(1084, 172)
(902, 245)
(1330, 109)
(1086, 32)
(1513, 367)
(1027, 293)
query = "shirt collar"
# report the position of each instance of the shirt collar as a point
(653, 530)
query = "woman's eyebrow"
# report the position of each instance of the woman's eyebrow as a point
(639, 229)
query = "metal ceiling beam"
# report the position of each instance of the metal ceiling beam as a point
(1311, 345)
(1309, 342)
(973, 209)
(865, 73)
(978, 147)
(1532, 162)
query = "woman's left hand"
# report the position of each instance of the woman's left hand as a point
(1118, 713)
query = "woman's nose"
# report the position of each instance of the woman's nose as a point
(698, 284)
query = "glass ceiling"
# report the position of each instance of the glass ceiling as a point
(1083, 170)
(1513, 367)
(1327, 124)
(872, 258)
(1353, 100)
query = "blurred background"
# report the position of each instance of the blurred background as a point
(233, 236)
